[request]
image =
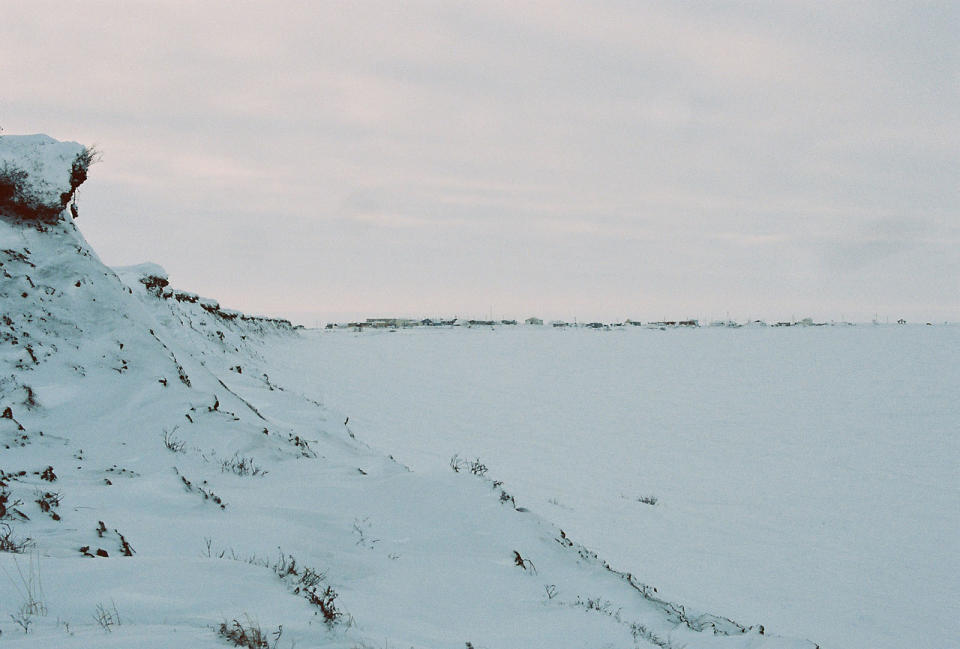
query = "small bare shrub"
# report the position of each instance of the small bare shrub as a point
(8, 506)
(203, 489)
(30, 590)
(23, 619)
(526, 564)
(125, 548)
(78, 170)
(300, 443)
(9, 542)
(307, 582)
(475, 466)
(49, 501)
(248, 634)
(327, 604)
(107, 618)
(362, 528)
(30, 400)
(478, 468)
(241, 466)
(173, 443)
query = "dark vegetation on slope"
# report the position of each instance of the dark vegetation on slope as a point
(19, 203)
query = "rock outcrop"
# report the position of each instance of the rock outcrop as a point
(39, 177)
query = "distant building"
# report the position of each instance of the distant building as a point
(383, 323)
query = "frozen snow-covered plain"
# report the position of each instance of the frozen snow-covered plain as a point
(806, 478)
(174, 472)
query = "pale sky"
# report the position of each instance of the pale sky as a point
(603, 160)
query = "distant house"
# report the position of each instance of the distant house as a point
(533, 321)
(725, 323)
(383, 323)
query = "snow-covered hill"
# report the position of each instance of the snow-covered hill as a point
(160, 486)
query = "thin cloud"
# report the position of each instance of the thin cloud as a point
(763, 153)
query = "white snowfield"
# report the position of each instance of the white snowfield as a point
(173, 475)
(804, 478)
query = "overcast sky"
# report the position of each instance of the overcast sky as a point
(323, 160)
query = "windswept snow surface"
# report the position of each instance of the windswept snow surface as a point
(806, 478)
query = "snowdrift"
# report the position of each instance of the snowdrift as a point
(159, 489)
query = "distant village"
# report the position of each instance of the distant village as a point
(408, 323)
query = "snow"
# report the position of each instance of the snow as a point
(806, 478)
(133, 275)
(168, 459)
(46, 161)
